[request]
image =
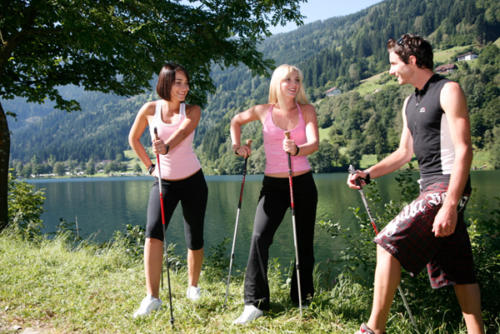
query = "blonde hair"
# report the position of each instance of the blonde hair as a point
(283, 72)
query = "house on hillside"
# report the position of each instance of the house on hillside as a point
(333, 91)
(467, 56)
(445, 69)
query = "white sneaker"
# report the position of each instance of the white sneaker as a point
(193, 293)
(250, 313)
(148, 304)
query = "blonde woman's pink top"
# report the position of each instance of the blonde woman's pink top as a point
(276, 157)
(181, 161)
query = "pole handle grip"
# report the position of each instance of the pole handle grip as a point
(249, 142)
(156, 133)
(287, 134)
(352, 170)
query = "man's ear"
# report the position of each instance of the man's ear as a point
(412, 60)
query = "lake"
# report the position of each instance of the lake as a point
(104, 205)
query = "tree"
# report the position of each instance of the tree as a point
(35, 166)
(354, 149)
(137, 168)
(59, 168)
(322, 160)
(26, 170)
(495, 149)
(116, 46)
(354, 72)
(90, 167)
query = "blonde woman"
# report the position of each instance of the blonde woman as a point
(287, 111)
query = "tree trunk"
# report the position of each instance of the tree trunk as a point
(4, 167)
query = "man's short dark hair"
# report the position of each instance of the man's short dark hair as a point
(166, 79)
(412, 45)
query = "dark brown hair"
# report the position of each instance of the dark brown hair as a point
(412, 45)
(166, 79)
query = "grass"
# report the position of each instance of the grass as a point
(481, 160)
(57, 288)
(448, 55)
(376, 82)
(132, 160)
(368, 160)
(95, 290)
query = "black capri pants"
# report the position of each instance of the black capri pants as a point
(192, 192)
(274, 200)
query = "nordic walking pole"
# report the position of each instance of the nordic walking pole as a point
(372, 221)
(292, 206)
(164, 236)
(249, 142)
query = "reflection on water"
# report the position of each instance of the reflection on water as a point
(103, 206)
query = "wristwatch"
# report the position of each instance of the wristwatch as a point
(151, 169)
(367, 178)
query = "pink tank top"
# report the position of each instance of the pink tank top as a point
(276, 157)
(181, 161)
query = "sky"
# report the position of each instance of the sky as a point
(315, 10)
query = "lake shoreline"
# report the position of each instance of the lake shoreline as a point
(105, 205)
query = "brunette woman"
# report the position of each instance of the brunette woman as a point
(182, 179)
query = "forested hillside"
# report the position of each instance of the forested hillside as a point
(343, 52)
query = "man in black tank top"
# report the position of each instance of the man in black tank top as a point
(430, 231)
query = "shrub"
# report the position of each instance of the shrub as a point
(25, 206)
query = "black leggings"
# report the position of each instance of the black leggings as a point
(192, 193)
(274, 200)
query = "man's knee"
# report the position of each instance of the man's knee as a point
(385, 258)
(383, 253)
(468, 292)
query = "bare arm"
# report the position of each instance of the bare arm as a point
(136, 131)
(312, 134)
(455, 107)
(392, 162)
(252, 114)
(188, 125)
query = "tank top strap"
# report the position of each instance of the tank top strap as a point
(268, 120)
(157, 115)
(301, 117)
(270, 111)
(182, 110)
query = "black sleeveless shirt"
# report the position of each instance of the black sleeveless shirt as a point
(427, 123)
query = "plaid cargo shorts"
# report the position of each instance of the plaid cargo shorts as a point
(409, 238)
